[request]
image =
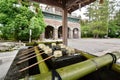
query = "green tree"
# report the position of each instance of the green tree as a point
(16, 18)
(37, 24)
(116, 25)
(112, 29)
(114, 21)
(86, 31)
(98, 18)
(117, 18)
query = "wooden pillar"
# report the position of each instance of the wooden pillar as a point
(55, 33)
(79, 33)
(42, 36)
(71, 33)
(64, 26)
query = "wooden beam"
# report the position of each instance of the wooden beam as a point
(49, 2)
(84, 3)
(72, 2)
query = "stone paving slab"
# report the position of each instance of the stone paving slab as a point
(96, 47)
(7, 59)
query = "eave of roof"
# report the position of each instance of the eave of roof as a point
(70, 5)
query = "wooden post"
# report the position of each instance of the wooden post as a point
(64, 26)
(42, 36)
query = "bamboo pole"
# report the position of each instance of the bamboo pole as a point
(42, 67)
(36, 63)
(29, 58)
(27, 55)
(54, 55)
(26, 52)
(78, 70)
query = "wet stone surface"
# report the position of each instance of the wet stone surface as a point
(13, 73)
(0, 61)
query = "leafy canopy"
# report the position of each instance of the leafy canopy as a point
(17, 20)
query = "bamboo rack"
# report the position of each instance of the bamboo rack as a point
(29, 58)
(27, 55)
(26, 51)
(36, 63)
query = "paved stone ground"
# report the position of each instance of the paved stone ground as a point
(96, 47)
(7, 59)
